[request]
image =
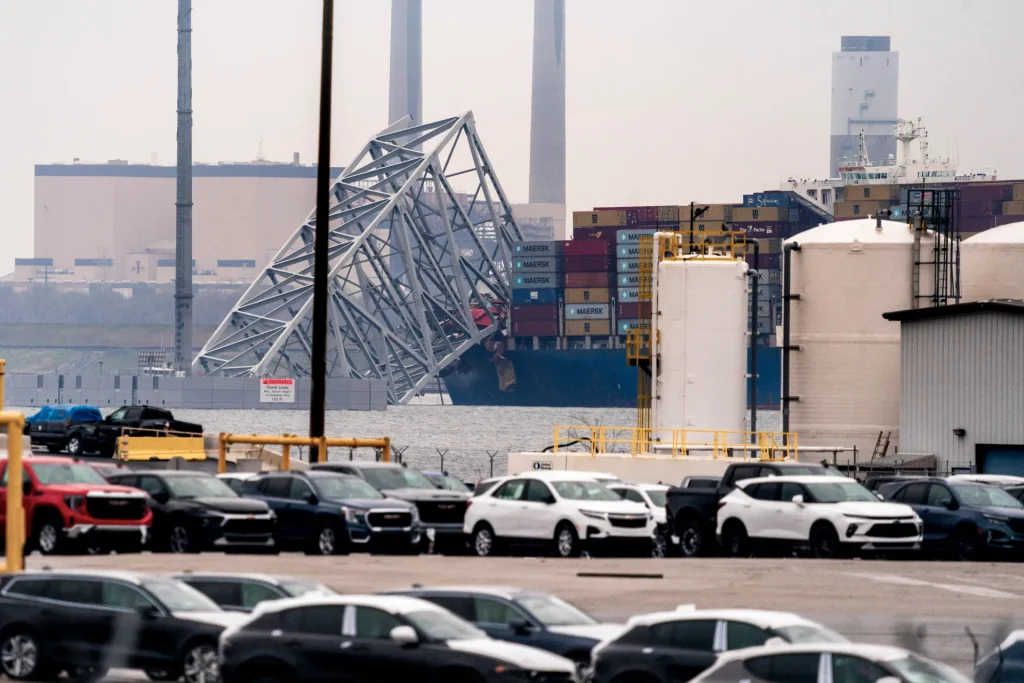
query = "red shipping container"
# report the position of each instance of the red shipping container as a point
(760, 229)
(589, 247)
(588, 280)
(525, 312)
(588, 264)
(1006, 220)
(594, 234)
(649, 214)
(986, 191)
(631, 311)
(535, 328)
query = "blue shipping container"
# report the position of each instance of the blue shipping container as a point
(766, 199)
(536, 281)
(633, 235)
(546, 296)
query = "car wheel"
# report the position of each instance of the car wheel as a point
(74, 446)
(691, 538)
(200, 664)
(49, 535)
(567, 543)
(735, 540)
(825, 542)
(21, 658)
(484, 542)
(660, 544)
(162, 675)
(965, 545)
(180, 538)
(325, 541)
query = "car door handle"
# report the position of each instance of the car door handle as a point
(293, 642)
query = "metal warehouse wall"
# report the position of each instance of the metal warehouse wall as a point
(964, 371)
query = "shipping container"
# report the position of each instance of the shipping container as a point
(607, 234)
(701, 225)
(770, 245)
(587, 311)
(744, 214)
(770, 277)
(534, 328)
(598, 219)
(586, 280)
(1006, 220)
(628, 294)
(1018, 191)
(1013, 208)
(765, 261)
(587, 296)
(631, 310)
(536, 296)
(766, 199)
(582, 328)
(537, 264)
(534, 312)
(976, 223)
(587, 264)
(976, 207)
(765, 326)
(587, 248)
(668, 214)
(769, 291)
(764, 308)
(538, 248)
(627, 265)
(863, 209)
(625, 326)
(714, 212)
(759, 229)
(629, 280)
(633, 235)
(537, 281)
(628, 251)
(1000, 192)
(857, 193)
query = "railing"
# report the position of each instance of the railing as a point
(677, 442)
(286, 442)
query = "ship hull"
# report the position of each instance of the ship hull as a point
(578, 378)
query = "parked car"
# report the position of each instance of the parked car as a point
(101, 437)
(692, 512)
(327, 513)
(484, 485)
(676, 646)
(831, 516)
(653, 497)
(1017, 492)
(55, 429)
(375, 639)
(236, 480)
(195, 511)
(836, 662)
(88, 622)
(1005, 664)
(565, 511)
(242, 592)
(700, 482)
(441, 512)
(445, 482)
(876, 482)
(70, 507)
(43, 413)
(994, 479)
(965, 519)
(522, 616)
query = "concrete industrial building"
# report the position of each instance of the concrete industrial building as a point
(547, 113)
(865, 89)
(406, 84)
(962, 385)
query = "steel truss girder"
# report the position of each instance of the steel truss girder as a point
(410, 260)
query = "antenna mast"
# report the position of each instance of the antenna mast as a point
(183, 202)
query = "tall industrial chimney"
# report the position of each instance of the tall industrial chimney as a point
(183, 201)
(406, 94)
(547, 116)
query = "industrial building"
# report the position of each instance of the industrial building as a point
(962, 385)
(547, 113)
(865, 89)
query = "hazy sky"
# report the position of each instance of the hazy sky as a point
(668, 100)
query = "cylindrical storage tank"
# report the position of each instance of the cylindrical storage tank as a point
(703, 328)
(844, 379)
(991, 263)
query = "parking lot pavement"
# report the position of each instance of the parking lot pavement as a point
(871, 601)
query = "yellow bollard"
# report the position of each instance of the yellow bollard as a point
(3, 371)
(386, 451)
(15, 507)
(286, 457)
(222, 453)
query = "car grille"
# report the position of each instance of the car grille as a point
(628, 521)
(899, 530)
(442, 512)
(389, 519)
(543, 677)
(248, 526)
(115, 508)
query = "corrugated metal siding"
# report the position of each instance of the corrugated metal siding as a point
(961, 372)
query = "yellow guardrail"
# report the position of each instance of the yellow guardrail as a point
(135, 447)
(14, 423)
(677, 442)
(286, 442)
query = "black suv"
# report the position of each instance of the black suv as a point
(327, 513)
(242, 592)
(85, 623)
(195, 511)
(441, 512)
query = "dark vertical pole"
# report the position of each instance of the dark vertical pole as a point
(318, 366)
(691, 227)
(183, 201)
(786, 325)
(754, 280)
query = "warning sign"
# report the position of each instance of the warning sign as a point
(274, 390)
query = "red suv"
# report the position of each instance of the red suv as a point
(69, 507)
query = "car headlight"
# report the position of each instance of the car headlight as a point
(74, 502)
(593, 514)
(997, 519)
(415, 514)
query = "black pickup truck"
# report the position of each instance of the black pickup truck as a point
(691, 512)
(101, 436)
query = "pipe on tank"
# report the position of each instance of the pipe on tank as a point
(754, 278)
(655, 260)
(786, 298)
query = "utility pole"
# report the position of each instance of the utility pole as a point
(183, 202)
(321, 243)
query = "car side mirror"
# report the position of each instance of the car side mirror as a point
(879, 496)
(146, 611)
(520, 627)
(776, 641)
(26, 487)
(312, 500)
(550, 501)
(404, 635)
(952, 505)
(798, 499)
(161, 497)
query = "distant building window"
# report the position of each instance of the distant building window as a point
(754, 213)
(236, 263)
(33, 261)
(94, 262)
(867, 192)
(856, 209)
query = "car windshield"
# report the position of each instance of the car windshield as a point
(439, 625)
(803, 470)
(449, 483)
(981, 495)
(552, 611)
(807, 634)
(915, 669)
(59, 473)
(840, 492)
(385, 478)
(657, 497)
(199, 487)
(297, 588)
(178, 597)
(345, 487)
(584, 490)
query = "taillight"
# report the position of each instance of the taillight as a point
(721, 504)
(469, 501)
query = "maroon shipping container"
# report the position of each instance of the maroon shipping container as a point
(631, 311)
(766, 261)
(588, 264)
(1006, 220)
(526, 312)
(648, 214)
(757, 229)
(977, 223)
(633, 216)
(588, 247)
(976, 207)
(594, 234)
(588, 280)
(535, 328)
(1002, 192)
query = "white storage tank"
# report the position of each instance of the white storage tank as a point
(991, 264)
(703, 327)
(846, 372)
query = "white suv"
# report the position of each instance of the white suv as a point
(564, 509)
(833, 516)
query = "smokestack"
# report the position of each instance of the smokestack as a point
(183, 201)
(547, 116)
(406, 95)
